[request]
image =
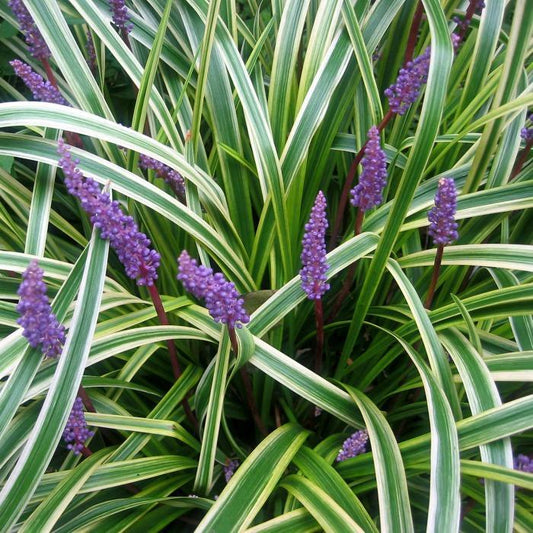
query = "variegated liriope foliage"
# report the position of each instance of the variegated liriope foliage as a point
(259, 105)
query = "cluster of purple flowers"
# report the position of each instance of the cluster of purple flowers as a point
(173, 178)
(42, 90)
(221, 297)
(76, 431)
(315, 266)
(408, 83)
(527, 133)
(120, 15)
(369, 191)
(353, 445)
(523, 463)
(442, 225)
(229, 468)
(36, 45)
(131, 245)
(40, 325)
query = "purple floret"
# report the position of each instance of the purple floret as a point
(40, 325)
(229, 469)
(42, 90)
(121, 17)
(523, 463)
(173, 178)
(408, 83)
(131, 245)
(368, 193)
(353, 445)
(76, 431)
(36, 45)
(527, 133)
(442, 225)
(221, 297)
(313, 257)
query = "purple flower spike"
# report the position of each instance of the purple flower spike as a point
(42, 90)
(353, 446)
(442, 225)
(40, 325)
(91, 52)
(120, 15)
(315, 266)
(131, 245)
(36, 45)
(173, 178)
(407, 87)
(229, 469)
(368, 192)
(221, 297)
(523, 463)
(76, 431)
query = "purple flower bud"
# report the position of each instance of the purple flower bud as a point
(523, 463)
(221, 297)
(313, 257)
(368, 192)
(353, 445)
(442, 225)
(42, 90)
(173, 178)
(120, 15)
(36, 45)
(407, 87)
(229, 468)
(40, 325)
(131, 245)
(527, 133)
(76, 431)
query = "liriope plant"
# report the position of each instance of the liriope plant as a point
(172, 174)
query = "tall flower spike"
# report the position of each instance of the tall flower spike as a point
(42, 90)
(369, 191)
(131, 245)
(442, 225)
(173, 178)
(221, 297)
(76, 431)
(353, 445)
(313, 257)
(408, 83)
(120, 15)
(36, 45)
(40, 325)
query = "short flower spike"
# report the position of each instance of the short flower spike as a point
(315, 266)
(353, 445)
(36, 45)
(76, 431)
(442, 225)
(221, 297)
(40, 325)
(368, 193)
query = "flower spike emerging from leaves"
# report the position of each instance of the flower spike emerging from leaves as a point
(40, 325)
(120, 15)
(229, 468)
(42, 90)
(221, 297)
(368, 192)
(76, 431)
(442, 225)
(315, 266)
(523, 463)
(131, 245)
(408, 83)
(173, 178)
(36, 45)
(353, 445)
